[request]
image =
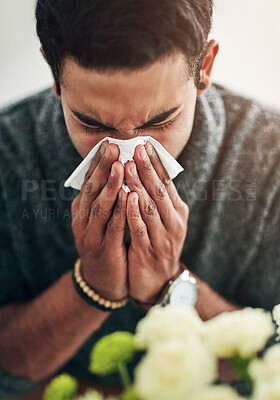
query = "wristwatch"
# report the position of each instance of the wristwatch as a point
(180, 291)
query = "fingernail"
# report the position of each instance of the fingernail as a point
(149, 148)
(144, 154)
(113, 170)
(103, 147)
(135, 199)
(107, 152)
(133, 169)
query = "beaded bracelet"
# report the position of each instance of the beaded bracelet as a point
(90, 295)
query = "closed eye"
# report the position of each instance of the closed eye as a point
(160, 127)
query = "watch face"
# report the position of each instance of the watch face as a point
(184, 293)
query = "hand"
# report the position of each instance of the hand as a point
(98, 227)
(157, 219)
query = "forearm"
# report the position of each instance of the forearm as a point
(38, 337)
(210, 303)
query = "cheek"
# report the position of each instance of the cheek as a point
(175, 138)
(82, 141)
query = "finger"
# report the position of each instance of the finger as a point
(155, 187)
(116, 225)
(138, 230)
(97, 180)
(147, 206)
(163, 175)
(95, 161)
(102, 207)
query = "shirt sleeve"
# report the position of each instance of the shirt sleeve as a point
(12, 386)
(12, 289)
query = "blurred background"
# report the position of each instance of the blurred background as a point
(248, 62)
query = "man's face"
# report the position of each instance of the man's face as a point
(127, 104)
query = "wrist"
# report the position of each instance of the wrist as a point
(100, 283)
(156, 299)
(91, 296)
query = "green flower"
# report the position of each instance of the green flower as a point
(63, 387)
(130, 394)
(111, 351)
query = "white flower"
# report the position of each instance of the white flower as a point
(240, 333)
(215, 392)
(276, 317)
(91, 395)
(174, 368)
(267, 391)
(267, 368)
(164, 323)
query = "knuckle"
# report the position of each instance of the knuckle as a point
(134, 215)
(140, 230)
(150, 208)
(89, 188)
(160, 191)
(110, 184)
(138, 184)
(166, 180)
(147, 166)
(103, 163)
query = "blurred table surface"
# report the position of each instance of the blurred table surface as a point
(83, 385)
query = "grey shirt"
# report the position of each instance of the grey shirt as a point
(230, 183)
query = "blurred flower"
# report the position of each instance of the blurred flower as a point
(242, 332)
(174, 368)
(267, 391)
(276, 317)
(91, 395)
(111, 351)
(215, 392)
(130, 394)
(164, 323)
(267, 368)
(63, 387)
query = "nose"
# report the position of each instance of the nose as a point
(126, 133)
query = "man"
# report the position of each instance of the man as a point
(124, 69)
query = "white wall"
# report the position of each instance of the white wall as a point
(248, 32)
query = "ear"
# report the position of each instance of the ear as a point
(54, 83)
(55, 91)
(206, 68)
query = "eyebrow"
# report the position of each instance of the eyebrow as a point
(88, 120)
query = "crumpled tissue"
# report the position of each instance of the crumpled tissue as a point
(127, 147)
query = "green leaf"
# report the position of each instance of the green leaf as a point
(111, 351)
(240, 366)
(63, 387)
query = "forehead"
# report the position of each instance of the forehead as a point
(134, 94)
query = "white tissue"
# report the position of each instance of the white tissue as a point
(127, 147)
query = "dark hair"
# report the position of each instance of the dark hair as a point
(119, 34)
